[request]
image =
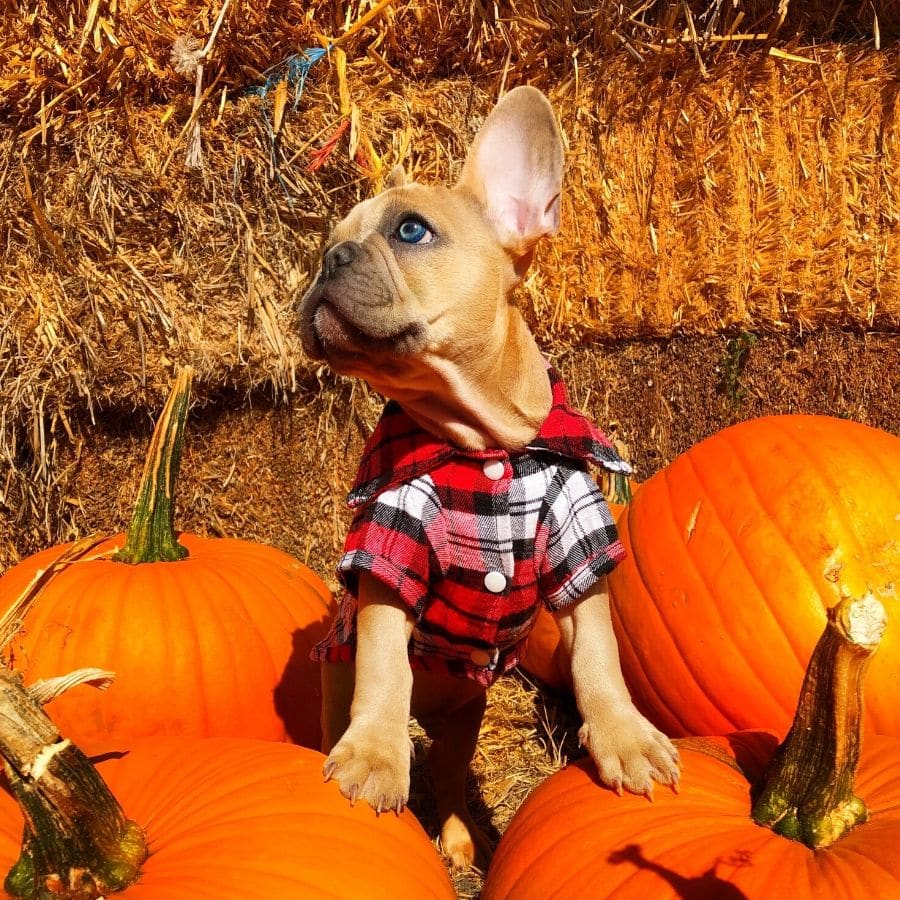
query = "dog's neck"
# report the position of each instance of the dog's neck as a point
(497, 397)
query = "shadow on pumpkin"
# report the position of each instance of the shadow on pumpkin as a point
(298, 694)
(707, 886)
(752, 752)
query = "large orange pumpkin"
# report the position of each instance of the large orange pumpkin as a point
(735, 552)
(215, 643)
(573, 838)
(228, 818)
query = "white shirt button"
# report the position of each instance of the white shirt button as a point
(495, 582)
(494, 469)
(480, 657)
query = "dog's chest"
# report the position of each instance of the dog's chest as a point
(492, 511)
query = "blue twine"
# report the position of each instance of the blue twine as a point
(293, 69)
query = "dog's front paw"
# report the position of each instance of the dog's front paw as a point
(372, 768)
(629, 752)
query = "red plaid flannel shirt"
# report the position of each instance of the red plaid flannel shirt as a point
(474, 541)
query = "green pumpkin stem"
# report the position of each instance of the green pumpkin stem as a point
(807, 792)
(615, 486)
(151, 534)
(77, 841)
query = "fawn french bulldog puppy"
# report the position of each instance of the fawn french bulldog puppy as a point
(473, 502)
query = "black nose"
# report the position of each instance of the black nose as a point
(339, 255)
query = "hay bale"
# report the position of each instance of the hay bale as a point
(60, 60)
(707, 189)
(757, 193)
(762, 196)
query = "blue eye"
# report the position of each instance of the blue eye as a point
(413, 231)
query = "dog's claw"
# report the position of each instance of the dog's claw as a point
(365, 773)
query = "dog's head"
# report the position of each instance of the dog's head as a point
(414, 290)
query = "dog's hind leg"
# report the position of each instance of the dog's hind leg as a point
(453, 746)
(337, 695)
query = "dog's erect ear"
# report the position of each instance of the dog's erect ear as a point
(396, 178)
(514, 168)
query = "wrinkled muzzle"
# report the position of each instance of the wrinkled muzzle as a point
(352, 309)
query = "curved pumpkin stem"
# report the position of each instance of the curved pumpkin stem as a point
(151, 534)
(807, 792)
(77, 841)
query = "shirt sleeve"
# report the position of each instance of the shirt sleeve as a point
(577, 540)
(397, 537)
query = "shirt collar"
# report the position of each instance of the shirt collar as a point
(399, 450)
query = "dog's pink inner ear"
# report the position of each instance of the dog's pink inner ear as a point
(515, 169)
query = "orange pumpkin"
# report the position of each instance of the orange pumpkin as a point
(215, 643)
(573, 838)
(545, 657)
(232, 817)
(735, 552)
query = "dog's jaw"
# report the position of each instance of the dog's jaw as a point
(490, 389)
(496, 395)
